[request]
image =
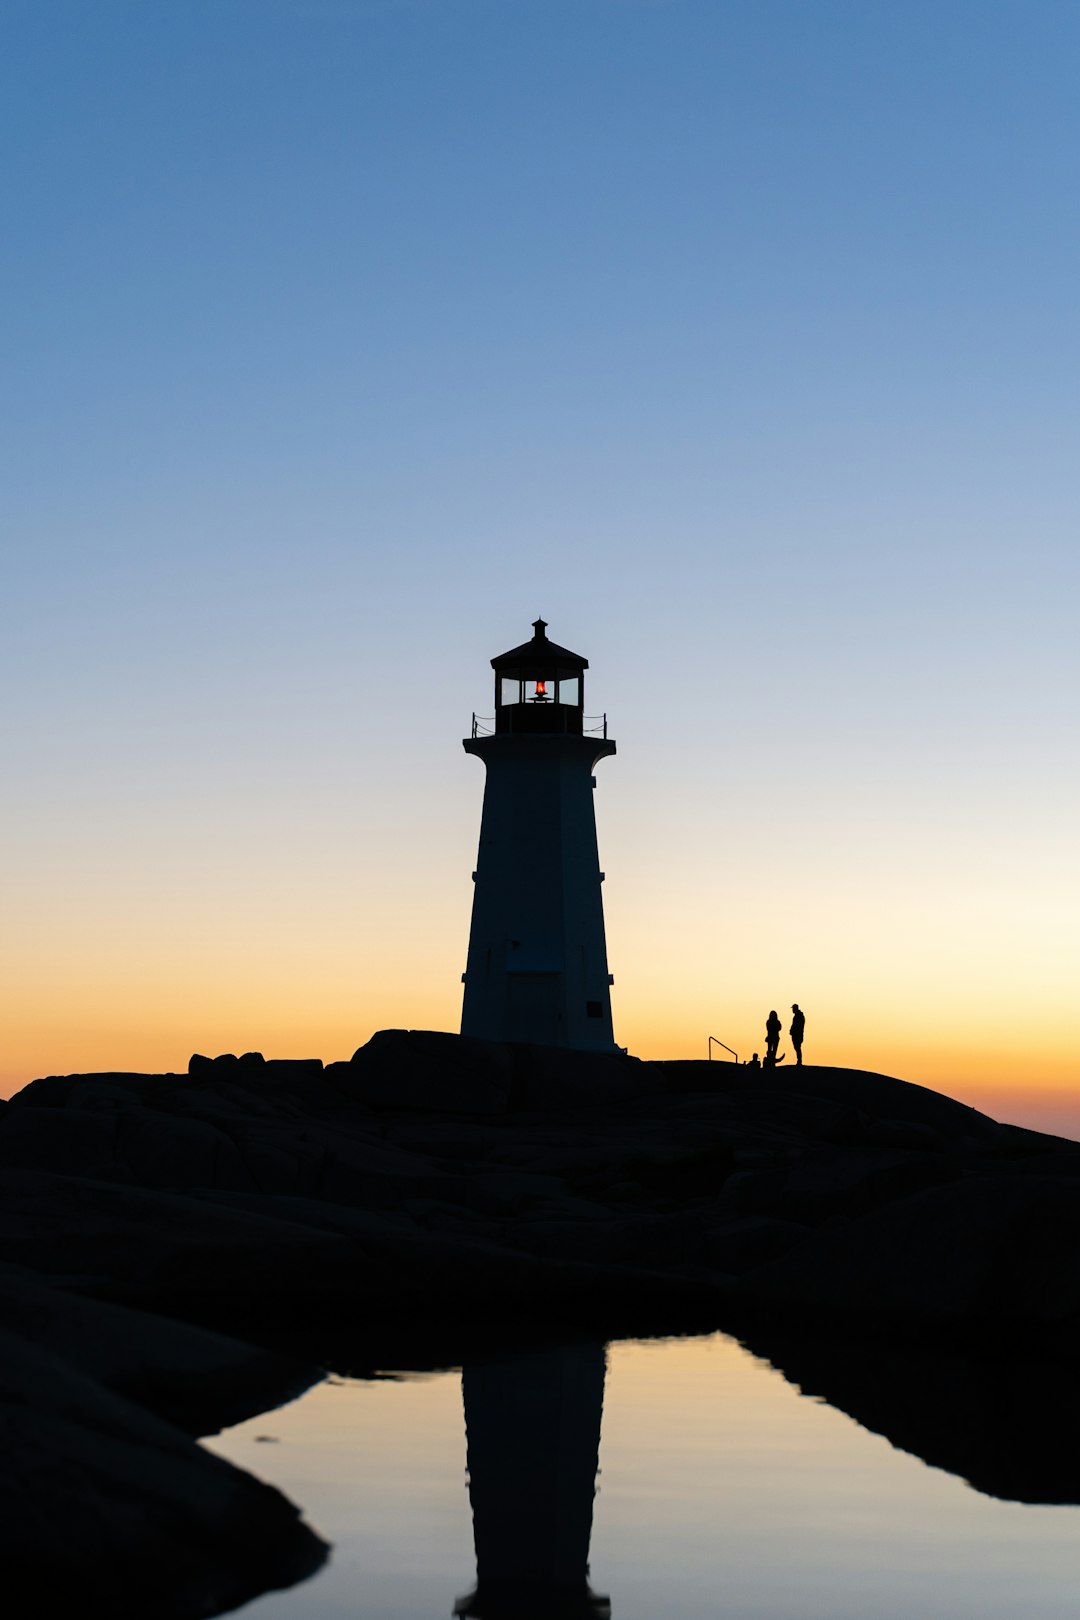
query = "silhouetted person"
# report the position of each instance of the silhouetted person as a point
(754, 1063)
(770, 1060)
(798, 1024)
(772, 1035)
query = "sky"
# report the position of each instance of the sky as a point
(342, 338)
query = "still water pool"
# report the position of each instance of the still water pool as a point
(721, 1490)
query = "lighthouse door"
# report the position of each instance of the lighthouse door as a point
(532, 1008)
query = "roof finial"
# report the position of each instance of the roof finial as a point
(540, 626)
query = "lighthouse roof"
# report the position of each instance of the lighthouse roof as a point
(538, 651)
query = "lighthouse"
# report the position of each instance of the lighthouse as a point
(537, 965)
(533, 1429)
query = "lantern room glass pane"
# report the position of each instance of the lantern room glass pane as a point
(540, 689)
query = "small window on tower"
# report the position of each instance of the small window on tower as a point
(509, 690)
(593, 1009)
(570, 690)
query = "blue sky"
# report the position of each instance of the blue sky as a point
(739, 340)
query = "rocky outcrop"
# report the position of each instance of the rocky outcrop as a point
(992, 1252)
(197, 1380)
(167, 1237)
(106, 1508)
(435, 1185)
(1007, 1423)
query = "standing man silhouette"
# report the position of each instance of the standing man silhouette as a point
(772, 1035)
(798, 1024)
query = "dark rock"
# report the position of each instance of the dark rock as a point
(820, 1186)
(993, 1253)
(153, 1249)
(675, 1243)
(250, 1065)
(429, 1071)
(62, 1139)
(737, 1245)
(435, 1192)
(225, 1062)
(1055, 1163)
(881, 1097)
(105, 1509)
(132, 1144)
(342, 1071)
(1009, 1425)
(197, 1380)
(906, 1133)
(89, 1092)
(511, 1148)
(859, 1092)
(549, 1079)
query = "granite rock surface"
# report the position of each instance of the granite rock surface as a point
(178, 1251)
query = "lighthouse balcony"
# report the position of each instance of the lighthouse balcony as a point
(533, 719)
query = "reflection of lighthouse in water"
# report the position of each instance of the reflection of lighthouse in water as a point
(533, 1426)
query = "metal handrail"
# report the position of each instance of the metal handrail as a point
(712, 1039)
(483, 725)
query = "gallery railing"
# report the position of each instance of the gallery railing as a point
(593, 725)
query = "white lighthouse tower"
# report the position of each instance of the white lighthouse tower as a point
(537, 967)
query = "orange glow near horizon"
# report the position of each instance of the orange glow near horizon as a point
(150, 1017)
(297, 922)
(152, 1014)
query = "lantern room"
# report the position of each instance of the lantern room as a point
(539, 687)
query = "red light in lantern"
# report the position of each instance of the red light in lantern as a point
(541, 689)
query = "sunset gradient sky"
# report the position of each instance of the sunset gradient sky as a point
(741, 341)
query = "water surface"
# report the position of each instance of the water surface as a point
(721, 1491)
